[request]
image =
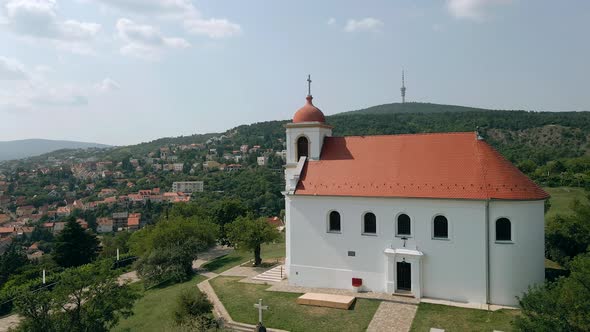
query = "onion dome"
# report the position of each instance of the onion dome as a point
(309, 113)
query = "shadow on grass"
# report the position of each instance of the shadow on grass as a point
(222, 261)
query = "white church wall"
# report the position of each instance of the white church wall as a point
(451, 269)
(520, 262)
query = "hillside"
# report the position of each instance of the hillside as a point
(34, 147)
(520, 136)
(414, 107)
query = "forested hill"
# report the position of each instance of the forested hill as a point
(414, 107)
(540, 143)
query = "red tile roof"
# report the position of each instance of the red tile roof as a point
(133, 219)
(5, 230)
(445, 165)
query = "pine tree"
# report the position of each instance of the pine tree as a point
(74, 246)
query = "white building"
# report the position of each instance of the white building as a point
(440, 216)
(178, 167)
(262, 161)
(187, 186)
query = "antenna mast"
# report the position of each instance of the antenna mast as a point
(403, 88)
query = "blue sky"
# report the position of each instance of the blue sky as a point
(126, 71)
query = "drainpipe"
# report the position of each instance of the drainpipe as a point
(487, 232)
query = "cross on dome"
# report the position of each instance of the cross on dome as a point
(309, 113)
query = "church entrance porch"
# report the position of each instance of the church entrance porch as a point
(403, 268)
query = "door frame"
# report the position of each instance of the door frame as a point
(414, 257)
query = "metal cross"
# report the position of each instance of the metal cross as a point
(260, 307)
(309, 85)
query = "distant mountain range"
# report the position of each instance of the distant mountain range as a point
(33, 147)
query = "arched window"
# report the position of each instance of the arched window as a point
(334, 222)
(369, 223)
(503, 230)
(302, 147)
(441, 227)
(403, 225)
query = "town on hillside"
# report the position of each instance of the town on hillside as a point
(110, 195)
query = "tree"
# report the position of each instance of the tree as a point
(35, 308)
(567, 236)
(249, 233)
(11, 262)
(74, 246)
(559, 306)
(87, 298)
(110, 244)
(168, 249)
(225, 213)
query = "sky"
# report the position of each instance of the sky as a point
(127, 71)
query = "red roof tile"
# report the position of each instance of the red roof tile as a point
(445, 165)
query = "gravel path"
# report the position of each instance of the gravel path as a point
(9, 322)
(393, 316)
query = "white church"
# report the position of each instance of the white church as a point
(440, 215)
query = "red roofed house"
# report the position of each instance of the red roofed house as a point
(82, 223)
(133, 221)
(439, 215)
(4, 218)
(7, 231)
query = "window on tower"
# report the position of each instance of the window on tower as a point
(302, 147)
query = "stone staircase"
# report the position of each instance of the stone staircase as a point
(276, 274)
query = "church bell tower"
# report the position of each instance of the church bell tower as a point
(305, 138)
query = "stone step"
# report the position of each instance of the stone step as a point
(267, 279)
(275, 274)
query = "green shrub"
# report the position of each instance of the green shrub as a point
(192, 304)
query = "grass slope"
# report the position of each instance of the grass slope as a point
(237, 257)
(283, 313)
(154, 310)
(562, 199)
(461, 319)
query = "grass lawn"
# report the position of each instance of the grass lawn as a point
(154, 310)
(283, 313)
(237, 257)
(461, 319)
(562, 198)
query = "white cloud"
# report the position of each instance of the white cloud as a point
(183, 11)
(145, 41)
(154, 7)
(331, 21)
(107, 85)
(38, 19)
(11, 69)
(472, 9)
(27, 88)
(213, 27)
(365, 24)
